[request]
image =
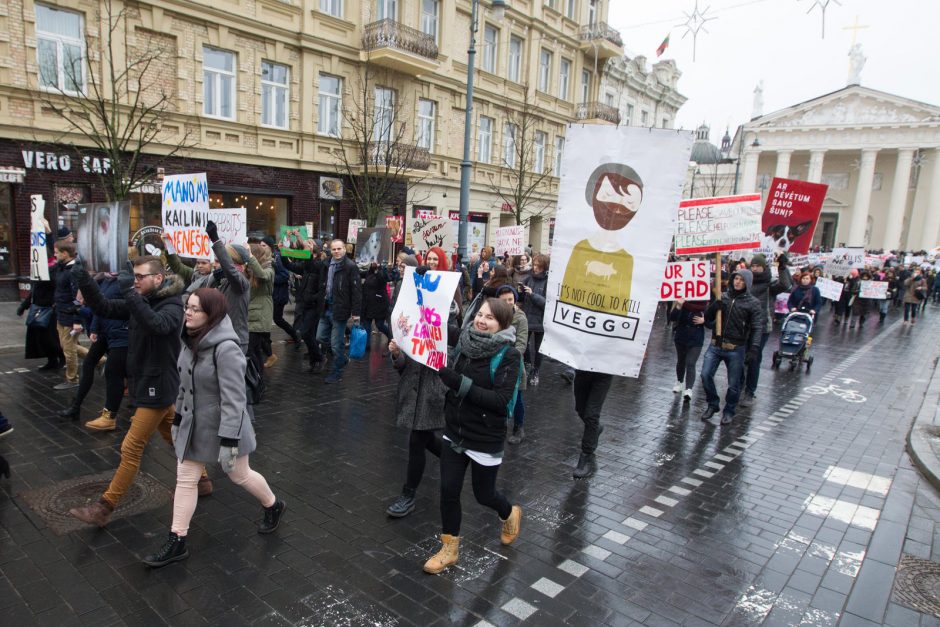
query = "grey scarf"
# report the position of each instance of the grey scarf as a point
(475, 344)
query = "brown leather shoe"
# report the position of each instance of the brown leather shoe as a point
(204, 487)
(98, 513)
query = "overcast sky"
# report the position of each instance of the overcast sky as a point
(779, 42)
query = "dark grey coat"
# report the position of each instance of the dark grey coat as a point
(208, 413)
(237, 292)
(420, 405)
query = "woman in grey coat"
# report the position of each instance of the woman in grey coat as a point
(212, 423)
(420, 408)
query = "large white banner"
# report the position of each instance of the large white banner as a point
(185, 202)
(617, 207)
(38, 257)
(419, 320)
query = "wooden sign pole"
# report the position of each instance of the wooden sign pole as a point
(718, 291)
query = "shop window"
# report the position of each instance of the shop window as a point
(66, 197)
(265, 214)
(7, 231)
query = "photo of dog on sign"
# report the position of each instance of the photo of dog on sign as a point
(779, 237)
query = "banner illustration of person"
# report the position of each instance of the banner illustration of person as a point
(617, 211)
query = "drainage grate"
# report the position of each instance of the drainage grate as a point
(53, 503)
(917, 585)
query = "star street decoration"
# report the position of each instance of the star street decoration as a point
(695, 22)
(823, 5)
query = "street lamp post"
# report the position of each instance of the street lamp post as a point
(466, 166)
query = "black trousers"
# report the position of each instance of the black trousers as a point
(380, 323)
(687, 357)
(535, 343)
(418, 443)
(483, 478)
(259, 349)
(281, 322)
(590, 392)
(115, 371)
(308, 333)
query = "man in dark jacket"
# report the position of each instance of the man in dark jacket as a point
(765, 289)
(66, 311)
(152, 306)
(307, 302)
(342, 302)
(742, 320)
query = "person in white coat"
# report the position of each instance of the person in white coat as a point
(212, 422)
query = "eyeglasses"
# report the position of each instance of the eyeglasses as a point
(192, 309)
(141, 277)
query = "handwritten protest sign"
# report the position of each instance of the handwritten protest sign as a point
(434, 231)
(510, 240)
(689, 280)
(185, 209)
(711, 225)
(790, 215)
(844, 259)
(877, 290)
(288, 240)
(419, 320)
(352, 231)
(829, 289)
(38, 257)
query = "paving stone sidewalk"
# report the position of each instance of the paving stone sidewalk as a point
(798, 513)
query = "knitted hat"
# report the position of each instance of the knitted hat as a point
(62, 233)
(241, 251)
(759, 260)
(267, 239)
(507, 288)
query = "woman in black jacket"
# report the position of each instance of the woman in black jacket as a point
(375, 303)
(688, 334)
(481, 385)
(532, 294)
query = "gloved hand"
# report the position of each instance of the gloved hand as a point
(421, 269)
(218, 275)
(227, 457)
(449, 377)
(174, 432)
(783, 261)
(751, 356)
(212, 231)
(21, 308)
(126, 277)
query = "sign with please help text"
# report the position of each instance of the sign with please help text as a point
(712, 225)
(686, 280)
(419, 319)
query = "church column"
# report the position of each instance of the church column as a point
(749, 175)
(859, 218)
(898, 202)
(815, 166)
(783, 164)
(932, 221)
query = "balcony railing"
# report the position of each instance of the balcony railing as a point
(391, 34)
(601, 30)
(399, 155)
(598, 111)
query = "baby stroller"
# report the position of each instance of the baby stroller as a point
(795, 341)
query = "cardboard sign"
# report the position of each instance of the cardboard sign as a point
(232, 224)
(877, 290)
(687, 280)
(843, 260)
(373, 245)
(396, 228)
(711, 225)
(352, 230)
(102, 235)
(38, 257)
(510, 239)
(829, 289)
(615, 224)
(435, 231)
(185, 211)
(790, 216)
(288, 239)
(419, 320)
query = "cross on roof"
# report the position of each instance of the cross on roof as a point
(855, 28)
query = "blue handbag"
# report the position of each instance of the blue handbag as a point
(39, 316)
(358, 338)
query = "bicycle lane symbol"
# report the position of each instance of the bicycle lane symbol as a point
(846, 394)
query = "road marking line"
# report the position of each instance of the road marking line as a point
(651, 511)
(665, 500)
(633, 523)
(596, 552)
(616, 536)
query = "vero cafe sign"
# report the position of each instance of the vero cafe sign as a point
(53, 161)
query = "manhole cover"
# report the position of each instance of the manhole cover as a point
(54, 502)
(917, 585)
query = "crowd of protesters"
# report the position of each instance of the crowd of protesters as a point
(189, 343)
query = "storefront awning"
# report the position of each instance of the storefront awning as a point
(12, 175)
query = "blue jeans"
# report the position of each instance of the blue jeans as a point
(753, 368)
(334, 334)
(734, 361)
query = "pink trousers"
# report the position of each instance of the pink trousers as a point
(187, 476)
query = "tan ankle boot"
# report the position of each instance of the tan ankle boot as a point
(447, 556)
(510, 530)
(104, 422)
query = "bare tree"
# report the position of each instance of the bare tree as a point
(378, 150)
(123, 93)
(524, 185)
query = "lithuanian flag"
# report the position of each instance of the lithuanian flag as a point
(662, 47)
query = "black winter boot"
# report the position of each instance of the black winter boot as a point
(587, 466)
(272, 517)
(73, 411)
(403, 505)
(173, 550)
